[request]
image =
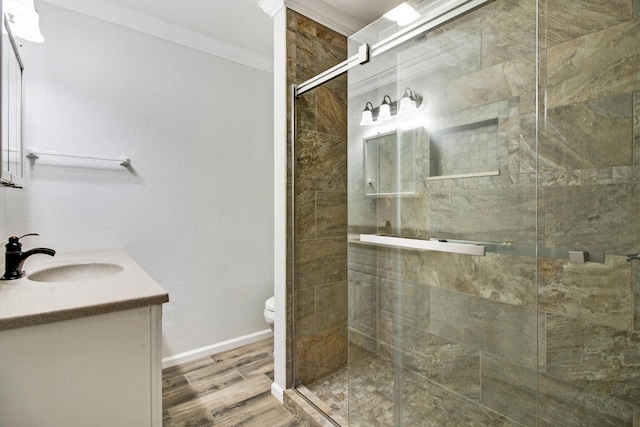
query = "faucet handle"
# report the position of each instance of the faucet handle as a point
(30, 234)
(14, 244)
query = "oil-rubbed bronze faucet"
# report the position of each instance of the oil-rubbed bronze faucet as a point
(14, 257)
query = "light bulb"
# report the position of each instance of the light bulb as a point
(385, 109)
(367, 115)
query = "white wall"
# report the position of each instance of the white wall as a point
(196, 209)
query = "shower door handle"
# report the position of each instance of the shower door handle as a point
(633, 256)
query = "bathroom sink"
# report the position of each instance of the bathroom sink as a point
(76, 272)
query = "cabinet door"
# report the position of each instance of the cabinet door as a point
(94, 371)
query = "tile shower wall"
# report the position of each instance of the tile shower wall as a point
(320, 317)
(540, 341)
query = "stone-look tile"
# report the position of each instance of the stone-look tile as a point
(306, 414)
(592, 292)
(389, 332)
(496, 328)
(302, 24)
(305, 215)
(385, 206)
(426, 403)
(507, 278)
(317, 47)
(597, 65)
(328, 185)
(332, 305)
(363, 303)
(331, 111)
(306, 108)
(331, 214)
(636, 127)
(452, 50)
(447, 363)
(518, 136)
(330, 395)
(371, 392)
(563, 20)
(403, 317)
(598, 358)
(508, 31)
(415, 216)
(306, 312)
(502, 81)
(444, 270)
(314, 56)
(635, 281)
(321, 261)
(509, 389)
(542, 342)
(592, 134)
(320, 173)
(563, 404)
(320, 157)
(499, 277)
(321, 354)
(363, 259)
(599, 217)
(405, 299)
(500, 215)
(361, 346)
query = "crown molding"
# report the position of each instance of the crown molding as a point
(164, 30)
(271, 7)
(326, 15)
(317, 10)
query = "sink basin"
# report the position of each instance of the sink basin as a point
(76, 272)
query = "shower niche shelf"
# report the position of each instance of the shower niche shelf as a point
(428, 245)
(464, 151)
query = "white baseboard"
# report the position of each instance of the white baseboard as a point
(277, 391)
(209, 350)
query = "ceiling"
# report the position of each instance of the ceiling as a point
(238, 23)
(363, 11)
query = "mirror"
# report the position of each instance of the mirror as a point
(11, 109)
(393, 162)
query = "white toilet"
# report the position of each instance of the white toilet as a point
(269, 306)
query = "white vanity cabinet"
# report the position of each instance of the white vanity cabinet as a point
(97, 366)
(95, 371)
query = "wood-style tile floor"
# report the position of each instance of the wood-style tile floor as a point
(232, 388)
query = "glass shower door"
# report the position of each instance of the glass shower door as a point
(442, 222)
(588, 159)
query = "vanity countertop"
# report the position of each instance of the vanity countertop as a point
(24, 302)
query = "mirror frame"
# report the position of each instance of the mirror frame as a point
(9, 47)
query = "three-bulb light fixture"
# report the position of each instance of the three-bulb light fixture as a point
(407, 106)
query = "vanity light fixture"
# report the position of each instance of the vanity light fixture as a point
(23, 19)
(407, 107)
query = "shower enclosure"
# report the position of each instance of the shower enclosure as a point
(493, 220)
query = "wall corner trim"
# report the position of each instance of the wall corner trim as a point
(277, 392)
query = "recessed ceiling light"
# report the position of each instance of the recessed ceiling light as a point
(403, 14)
